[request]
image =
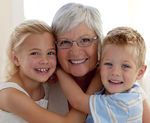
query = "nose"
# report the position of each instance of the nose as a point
(116, 71)
(75, 43)
(75, 49)
(44, 60)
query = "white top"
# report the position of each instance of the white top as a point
(7, 117)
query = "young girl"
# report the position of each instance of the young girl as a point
(32, 60)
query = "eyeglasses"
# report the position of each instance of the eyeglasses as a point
(82, 42)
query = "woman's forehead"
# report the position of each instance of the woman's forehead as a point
(77, 31)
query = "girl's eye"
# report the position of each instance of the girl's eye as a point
(51, 53)
(34, 53)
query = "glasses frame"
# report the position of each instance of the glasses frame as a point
(77, 42)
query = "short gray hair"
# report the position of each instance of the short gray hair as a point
(72, 14)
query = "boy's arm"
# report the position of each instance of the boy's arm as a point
(77, 98)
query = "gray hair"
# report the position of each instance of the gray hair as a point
(72, 14)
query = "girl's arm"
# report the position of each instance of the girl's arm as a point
(14, 101)
(77, 98)
(146, 110)
(95, 84)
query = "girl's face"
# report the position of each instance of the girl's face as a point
(36, 57)
(77, 60)
(119, 68)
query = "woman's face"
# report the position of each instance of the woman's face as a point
(77, 60)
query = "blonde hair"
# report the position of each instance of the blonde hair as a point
(126, 36)
(17, 37)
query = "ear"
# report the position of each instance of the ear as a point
(14, 58)
(141, 72)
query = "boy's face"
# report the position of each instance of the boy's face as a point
(119, 68)
(36, 57)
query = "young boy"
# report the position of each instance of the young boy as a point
(122, 64)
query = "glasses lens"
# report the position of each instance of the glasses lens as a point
(64, 44)
(85, 42)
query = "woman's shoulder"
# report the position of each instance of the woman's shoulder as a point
(57, 101)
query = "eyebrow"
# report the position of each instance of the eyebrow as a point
(82, 36)
(52, 48)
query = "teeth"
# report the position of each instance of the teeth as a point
(77, 61)
(115, 81)
(43, 69)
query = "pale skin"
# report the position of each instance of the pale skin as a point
(79, 100)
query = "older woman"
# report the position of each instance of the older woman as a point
(79, 32)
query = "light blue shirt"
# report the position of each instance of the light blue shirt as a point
(124, 107)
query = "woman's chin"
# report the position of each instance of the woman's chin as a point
(79, 73)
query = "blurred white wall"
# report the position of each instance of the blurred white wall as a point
(11, 14)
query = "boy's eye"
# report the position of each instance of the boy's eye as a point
(108, 64)
(124, 66)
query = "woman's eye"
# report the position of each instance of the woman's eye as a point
(85, 40)
(64, 43)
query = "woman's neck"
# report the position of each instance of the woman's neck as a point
(84, 81)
